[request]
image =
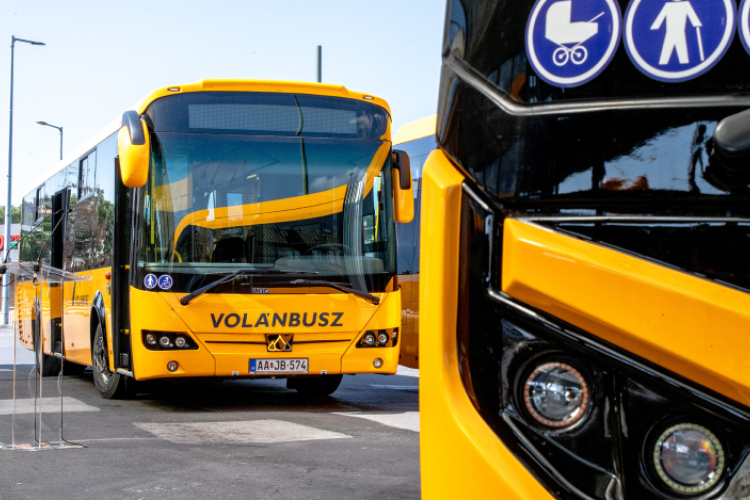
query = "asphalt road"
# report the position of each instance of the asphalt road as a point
(213, 439)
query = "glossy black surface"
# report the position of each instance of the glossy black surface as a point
(489, 35)
(633, 401)
(624, 161)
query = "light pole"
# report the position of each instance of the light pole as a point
(6, 276)
(58, 128)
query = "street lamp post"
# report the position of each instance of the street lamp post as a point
(61, 134)
(6, 276)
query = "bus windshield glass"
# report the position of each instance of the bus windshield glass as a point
(307, 195)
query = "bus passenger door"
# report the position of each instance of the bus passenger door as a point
(122, 247)
(53, 296)
(77, 293)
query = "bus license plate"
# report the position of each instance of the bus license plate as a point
(287, 365)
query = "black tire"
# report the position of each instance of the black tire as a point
(110, 385)
(323, 385)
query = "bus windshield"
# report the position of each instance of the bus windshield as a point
(286, 205)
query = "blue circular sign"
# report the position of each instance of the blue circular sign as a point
(678, 40)
(744, 24)
(150, 281)
(165, 282)
(570, 42)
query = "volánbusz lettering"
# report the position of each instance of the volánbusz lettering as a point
(269, 320)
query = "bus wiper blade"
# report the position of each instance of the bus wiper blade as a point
(368, 296)
(229, 277)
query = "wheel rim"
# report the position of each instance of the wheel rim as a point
(101, 360)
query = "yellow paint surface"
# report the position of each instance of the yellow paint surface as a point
(461, 457)
(688, 325)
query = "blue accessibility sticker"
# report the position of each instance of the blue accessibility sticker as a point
(149, 281)
(570, 42)
(678, 40)
(744, 24)
(165, 282)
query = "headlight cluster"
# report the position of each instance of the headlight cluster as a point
(687, 458)
(379, 338)
(587, 418)
(162, 341)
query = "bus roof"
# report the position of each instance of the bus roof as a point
(277, 86)
(424, 127)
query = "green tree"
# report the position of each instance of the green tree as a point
(15, 215)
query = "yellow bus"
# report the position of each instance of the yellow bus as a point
(585, 282)
(417, 139)
(231, 229)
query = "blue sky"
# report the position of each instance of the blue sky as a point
(102, 56)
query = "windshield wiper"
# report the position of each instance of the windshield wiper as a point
(368, 296)
(229, 277)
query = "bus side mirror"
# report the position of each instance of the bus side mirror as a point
(135, 150)
(403, 193)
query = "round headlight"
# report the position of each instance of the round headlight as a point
(556, 395)
(369, 339)
(689, 458)
(179, 342)
(382, 338)
(151, 338)
(164, 341)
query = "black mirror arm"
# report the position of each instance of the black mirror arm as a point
(402, 164)
(731, 137)
(132, 121)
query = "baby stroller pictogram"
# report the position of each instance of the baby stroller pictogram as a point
(562, 32)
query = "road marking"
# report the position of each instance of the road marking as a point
(397, 387)
(242, 432)
(408, 420)
(407, 372)
(49, 405)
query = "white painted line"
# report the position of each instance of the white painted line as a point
(243, 432)
(397, 387)
(49, 405)
(407, 372)
(408, 420)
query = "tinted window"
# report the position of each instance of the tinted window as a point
(261, 114)
(408, 234)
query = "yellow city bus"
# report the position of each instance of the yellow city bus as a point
(585, 281)
(231, 229)
(417, 139)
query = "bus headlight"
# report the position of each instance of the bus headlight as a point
(164, 341)
(556, 395)
(179, 342)
(382, 338)
(151, 338)
(689, 458)
(369, 339)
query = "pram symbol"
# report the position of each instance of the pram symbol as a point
(561, 31)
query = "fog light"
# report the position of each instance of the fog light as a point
(369, 339)
(377, 362)
(164, 341)
(689, 458)
(172, 366)
(383, 338)
(151, 338)
(556, 395)
(179, 342)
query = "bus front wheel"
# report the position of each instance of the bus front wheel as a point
(110, 385)
(323, 385)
